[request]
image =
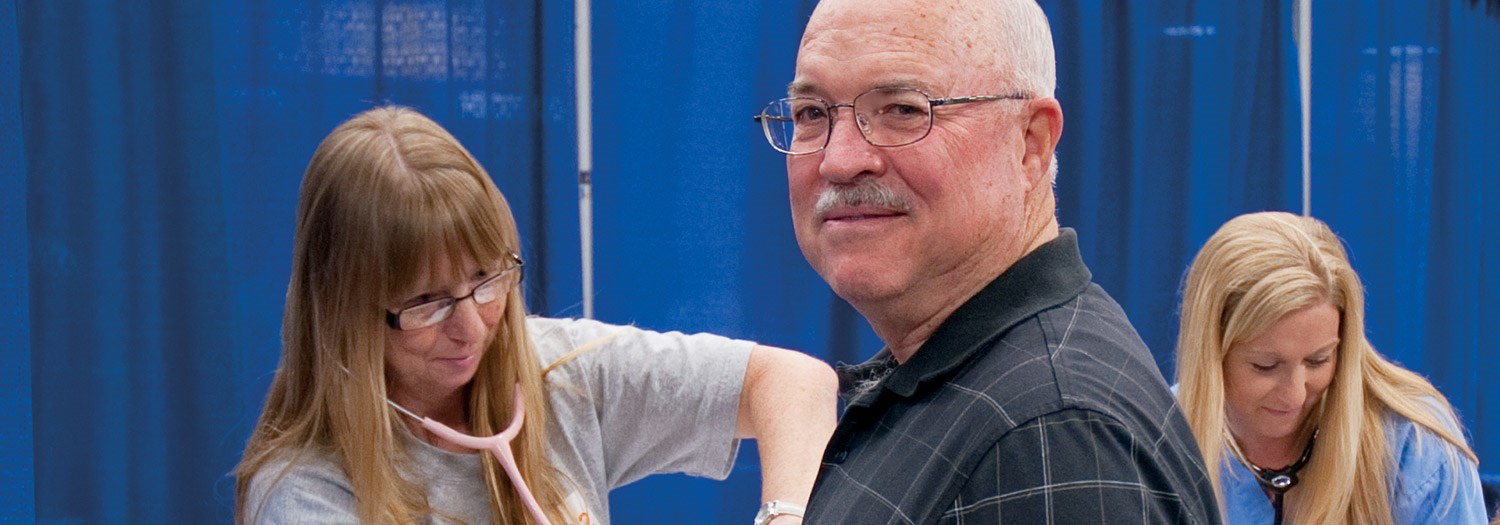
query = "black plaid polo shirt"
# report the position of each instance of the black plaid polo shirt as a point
(1035, 402)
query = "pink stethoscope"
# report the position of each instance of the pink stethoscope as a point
(499, 444)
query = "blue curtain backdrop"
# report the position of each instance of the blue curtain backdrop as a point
(150, 155)
(16, 472)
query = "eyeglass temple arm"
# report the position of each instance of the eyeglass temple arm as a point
(981, 98)
(763, 116)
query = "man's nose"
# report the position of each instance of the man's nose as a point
(848, 155)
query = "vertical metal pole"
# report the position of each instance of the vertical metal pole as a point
(583, 87)
(1304, 73)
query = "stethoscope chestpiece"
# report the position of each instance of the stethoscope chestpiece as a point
(1283, 479)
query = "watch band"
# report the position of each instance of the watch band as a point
(771, 509)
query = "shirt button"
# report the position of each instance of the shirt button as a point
(840, 456)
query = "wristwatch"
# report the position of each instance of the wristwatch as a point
(771, 509)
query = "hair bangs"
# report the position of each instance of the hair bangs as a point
(451, 216)
(1272, 297)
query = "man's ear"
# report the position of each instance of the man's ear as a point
(1042, 128)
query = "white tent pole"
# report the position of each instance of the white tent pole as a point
(1304, 73)
(583, 86)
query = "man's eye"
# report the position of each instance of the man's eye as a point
(810, 114)
(903, 110)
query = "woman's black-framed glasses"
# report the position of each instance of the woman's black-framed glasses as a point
(885, 116)
(439, 310)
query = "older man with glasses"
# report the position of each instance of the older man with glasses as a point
(919, 137)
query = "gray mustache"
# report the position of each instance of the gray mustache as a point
(866, 192)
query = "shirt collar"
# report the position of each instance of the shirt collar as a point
(1049, 276)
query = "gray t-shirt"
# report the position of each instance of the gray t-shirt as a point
(638, 403)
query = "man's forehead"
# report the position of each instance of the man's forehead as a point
(808, 87)
(910, 13)
(909, 43)
(848, 71)
(905, 26)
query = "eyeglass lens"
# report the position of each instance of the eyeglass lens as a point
(886, 117)
(431, 313)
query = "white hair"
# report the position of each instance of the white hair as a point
(1021, 38)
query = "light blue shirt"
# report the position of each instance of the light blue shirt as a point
(1420, 492)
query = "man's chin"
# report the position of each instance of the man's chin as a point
(862, 289)
(861, 275)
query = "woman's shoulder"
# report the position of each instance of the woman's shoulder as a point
(557, 337)
(297, 465)
(552, 338)
(1434, 480)
(567, 332)
(1405, 435)
(296, 486)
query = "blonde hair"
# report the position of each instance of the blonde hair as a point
(1254, 270)
(387, 193)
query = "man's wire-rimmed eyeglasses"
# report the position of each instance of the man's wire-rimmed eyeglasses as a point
(885, 116)
(439, 310)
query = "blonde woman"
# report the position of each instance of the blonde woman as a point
(1299, 418)
(405, 287)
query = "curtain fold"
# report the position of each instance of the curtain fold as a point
(1179, 115)
(127, 242)
(1404, 159)
(17, 468)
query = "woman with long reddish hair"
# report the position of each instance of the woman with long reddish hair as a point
(405, 292)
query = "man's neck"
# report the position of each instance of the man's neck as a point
(907, 321)
(904, 343)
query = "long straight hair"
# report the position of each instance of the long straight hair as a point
(387, 194)
(1256, 269)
